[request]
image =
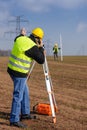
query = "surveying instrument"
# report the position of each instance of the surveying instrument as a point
(49, 87)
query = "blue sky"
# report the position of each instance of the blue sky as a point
(55, 17)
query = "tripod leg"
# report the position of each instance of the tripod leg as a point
(51, 100)
(31, 69)
(46, 69)
(49, 90)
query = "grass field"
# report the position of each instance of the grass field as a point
(69, 79)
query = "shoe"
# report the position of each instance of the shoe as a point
(18, 124)
(28, 117)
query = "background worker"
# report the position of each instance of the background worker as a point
(55, 51)
(22, 33)
(25, 49)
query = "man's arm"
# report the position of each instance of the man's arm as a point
(36, 53)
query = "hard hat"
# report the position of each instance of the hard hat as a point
(38, 32)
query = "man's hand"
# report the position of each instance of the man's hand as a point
(40, 43)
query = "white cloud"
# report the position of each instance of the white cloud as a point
(81, 27)
(40, 5)
(46, 5)
(69, 4)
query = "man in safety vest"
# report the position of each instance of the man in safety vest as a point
(25, 49)
(55, 51)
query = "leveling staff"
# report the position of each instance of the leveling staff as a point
(25, 49)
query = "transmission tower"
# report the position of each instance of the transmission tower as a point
(18, 21)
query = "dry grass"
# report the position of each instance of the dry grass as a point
(70, 87)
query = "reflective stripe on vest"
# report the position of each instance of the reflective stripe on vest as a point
(21, 60)
(19, 66)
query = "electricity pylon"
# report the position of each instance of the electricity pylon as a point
(18, 21)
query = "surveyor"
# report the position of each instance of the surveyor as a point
(55, 51)
(25, 50)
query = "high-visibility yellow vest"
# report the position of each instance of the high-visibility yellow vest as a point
(55, 49)
(18, 61)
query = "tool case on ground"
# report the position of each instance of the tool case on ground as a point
(42, 108)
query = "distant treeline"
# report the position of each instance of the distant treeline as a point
(5, 52)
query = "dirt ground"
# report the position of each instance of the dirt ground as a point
(69, 80)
